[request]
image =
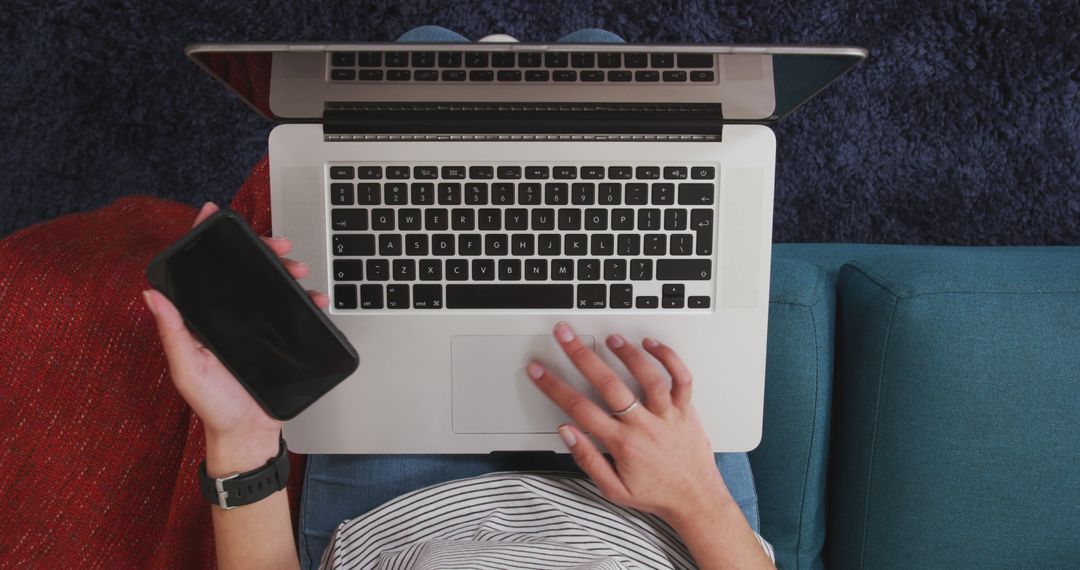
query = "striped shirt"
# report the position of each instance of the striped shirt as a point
(507, 520)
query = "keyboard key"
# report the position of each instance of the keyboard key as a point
(564, 75)
(476, 59)
(510, 296)
(643, 76)
(348, 270)
(543, 219)
(641, 269)
(663, 193)
(529, 194)
(427, 296)
(592, 75)
(662, 60)
(637, 194)
(453, 172)
(673, 290)
(619, 76)
(679, 76)
(397, 296)
(510, 269)
(397, 172)
(342, 74)
(341, 194)
(701, 76)
(610, 59)
(416, 244)
(371, 297)
(537, 172)
(483, 270)
(457, 269)
(423, 59)
(496, 244)
(698, 302)
(635, 60)
(425, 172)
(453, 75)
(655, 244)
(672, 302)
(517, 219)
(602, 245)
(556, 193)
(370, 75)
(361, 245)
(622, 219)
(409, 219)
(369, 172)
(620, 172)
(378, 270)
(629, 244)
(583, 193)
(648, 219)
(591, 297)
(548, 244)
(562, 269)
(422, 193)
(397, 59)
(463, 219)
(647, 172)
(398, 75)
(488, 219)
(588, 269)
(435, 219)
(529, 59)
(450, 59)
(610, 194)
(565, 172)
(369, 59)
(476, 193)
(481, 75)
(481, 172)
(703, 172)
(405, 269)
(389, 245)
(345, 297)
(596, 219)
(581, 59)
(614, 269)
(535, 270)
(395, 193)
(509, 75)
(430, 270)
(470, 244)
(342, 59)
(426, 75)
(449, 193)
(575, 244)
(382, 219)
(695, 194)
(695, 60)
(675, 172)
(502, 59)
(348, 219)
(684, 269)
(537, 75)
(681, 244)
(522, 245)
(509, 172)
(342, 172)
(647, 302)
(555, 59)
(674, 219)
(621, 296)
(569, 219)
(502, 193)
(701, 222)
(592, 172)
(442, 244)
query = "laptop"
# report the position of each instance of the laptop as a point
(458, 200)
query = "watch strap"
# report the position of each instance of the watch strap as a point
(239, 489)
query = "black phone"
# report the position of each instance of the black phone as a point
(240, 301)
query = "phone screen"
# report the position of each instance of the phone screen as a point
(239, 300)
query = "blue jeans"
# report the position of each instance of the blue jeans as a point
(338, 487)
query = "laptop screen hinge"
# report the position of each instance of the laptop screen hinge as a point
(345, 121)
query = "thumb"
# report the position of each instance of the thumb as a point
(181, 349)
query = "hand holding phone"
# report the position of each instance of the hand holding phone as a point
(220, 398)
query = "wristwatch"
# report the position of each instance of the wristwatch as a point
(239, 489)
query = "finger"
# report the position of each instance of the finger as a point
(298, 269)
(608, 384)
(322, 300)
(279, 245)
(206, 211)
(180, 347)
(593, 463)
(681, 380)
(576, 405)
(657, 393)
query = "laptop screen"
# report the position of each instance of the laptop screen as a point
(298, 83)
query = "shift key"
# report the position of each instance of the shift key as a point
(684, 269)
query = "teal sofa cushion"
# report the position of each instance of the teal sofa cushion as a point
(956, 409)
(789, 464)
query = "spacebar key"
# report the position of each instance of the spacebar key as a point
(509, 296)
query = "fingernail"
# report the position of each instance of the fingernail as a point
(278, 238)
(616, 341)
(567, 436)
(301, 265)
(563, 332)
(149, 301)
(534, 370)
(650, 343)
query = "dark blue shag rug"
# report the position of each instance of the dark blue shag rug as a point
(963, 126)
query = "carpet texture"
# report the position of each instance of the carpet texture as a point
(963, 126)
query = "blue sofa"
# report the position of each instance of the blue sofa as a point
(922, 407)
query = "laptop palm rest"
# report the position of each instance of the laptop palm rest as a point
(491, 393)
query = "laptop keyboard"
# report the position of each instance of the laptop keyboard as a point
(522, 67)
(429, 237)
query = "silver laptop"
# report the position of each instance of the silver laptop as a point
(457, 200)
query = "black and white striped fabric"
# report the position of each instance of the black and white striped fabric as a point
(507, 520)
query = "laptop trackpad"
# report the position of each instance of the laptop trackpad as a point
(493, 394)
